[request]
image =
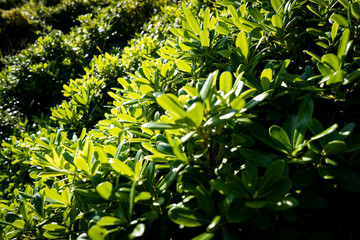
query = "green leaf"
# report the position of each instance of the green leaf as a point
(138, 231)
(343, 45)
(170, 103)
(143, 196)
(191, 20)
(276, 4)
(222, 29)
(170, 177)
(281, 138)
(54, 195)
(255, 13)
(265, 78)
(257, 99)
(277, 21)
(161, 126)
(257, 158)
(255, 204)
(238, 103)
(187, 217)
(178, 150)
(221, 118)
(339, 19)
(302, 120)
(243, 44)
(204, 39)
(19, 223)
(335, 147)
(122, 168)
(334, 30)
(183, 66)
(233, 12)
(97, 232)
(210, 81)
(226, 82)
(100, 155)
(332, 61)
(205, 201)
(272, 174)
(53, 227)
(336, 77)
(214, 224)
(355, 10)
(39, 202)
(206, 19)
(111, 221)
(196, 113)
(81, 164)
(105, 189)
(323, 133)
(238, 213)
(345, 3)
(204, 236)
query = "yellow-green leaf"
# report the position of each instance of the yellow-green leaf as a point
(265, 78)
(122, 168)
(191, 20)
(81, 164)
(204, 38)
(243, 44)
(339, 19)
(196, 113)
(225, 82)
(183, 66)
(105, 189)
(170, 103)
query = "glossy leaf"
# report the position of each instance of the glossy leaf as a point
(281, 138)
(191, 20)
(266, 78)
(339, 19)
(225, 82)
(186, 217)
(210, 81)
(276, 4)
(302, 120)
(183, 66)
(122, 168)
(332, 61)
(243, 44)
(105, 189)
(343, 45)
(205, 39)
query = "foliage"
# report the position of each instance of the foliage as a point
(242, 124)
(32, 79)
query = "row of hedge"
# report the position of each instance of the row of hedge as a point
(241, 124)
(31, 81)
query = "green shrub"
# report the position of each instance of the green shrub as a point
(235, 130)
(31, 80)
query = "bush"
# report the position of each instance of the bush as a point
(216, 137)
(31, 80)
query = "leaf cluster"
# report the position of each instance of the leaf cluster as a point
(241, 123)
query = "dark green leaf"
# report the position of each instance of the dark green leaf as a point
(187, 217)
(205, 201)
(302, 120)
(281, 138)
(260, 159)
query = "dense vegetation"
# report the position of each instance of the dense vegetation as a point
(203, 120)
